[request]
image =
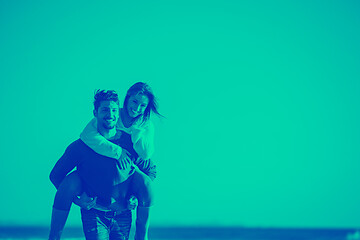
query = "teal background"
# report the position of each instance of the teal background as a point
(261, 100)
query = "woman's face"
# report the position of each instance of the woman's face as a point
(137, 104)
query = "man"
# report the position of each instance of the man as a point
(107, 180)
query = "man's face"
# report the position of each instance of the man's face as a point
(107, 114)
(137, 104)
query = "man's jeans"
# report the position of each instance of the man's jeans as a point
(99, 226)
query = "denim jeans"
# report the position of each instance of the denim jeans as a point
(98, 226)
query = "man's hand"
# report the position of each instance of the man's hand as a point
(132, 203)
(124, 159)
(84, 201)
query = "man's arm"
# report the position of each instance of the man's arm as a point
(64, 165)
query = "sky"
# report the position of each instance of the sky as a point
(261, 104)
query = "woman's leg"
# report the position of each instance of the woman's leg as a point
(142, 223)
(141, 187)
(69, 188)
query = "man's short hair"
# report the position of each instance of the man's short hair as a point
(105, 95)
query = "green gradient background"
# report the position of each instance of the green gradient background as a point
(261, 99)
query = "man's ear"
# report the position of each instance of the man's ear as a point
(95, 113)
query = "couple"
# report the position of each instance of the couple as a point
(112, 161)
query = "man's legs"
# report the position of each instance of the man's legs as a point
(121, 227)
(95, 226)
(68, 189)
(98, 226)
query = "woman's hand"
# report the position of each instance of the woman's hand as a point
(124, 159)
(84, 201)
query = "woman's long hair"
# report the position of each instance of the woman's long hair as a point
(143, 88)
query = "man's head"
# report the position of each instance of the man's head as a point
(106, 109)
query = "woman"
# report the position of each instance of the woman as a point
(134, 124)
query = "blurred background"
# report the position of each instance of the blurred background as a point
(261, 100)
